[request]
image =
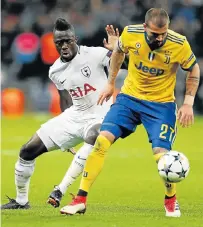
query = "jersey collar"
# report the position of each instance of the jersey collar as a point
(147, 41)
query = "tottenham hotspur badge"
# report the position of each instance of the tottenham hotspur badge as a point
(86, 71)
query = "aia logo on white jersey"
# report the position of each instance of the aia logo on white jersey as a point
(81, 91)
(86, 71)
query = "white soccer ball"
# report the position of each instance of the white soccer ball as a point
(173, 166)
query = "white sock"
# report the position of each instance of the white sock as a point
(23, 172)
(76, 167)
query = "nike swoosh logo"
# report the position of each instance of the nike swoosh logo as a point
(62, 81)
(81, 158)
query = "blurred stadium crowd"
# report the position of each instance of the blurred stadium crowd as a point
(27, 51)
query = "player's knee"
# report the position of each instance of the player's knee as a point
(32, 149)
(29, 152)
(25, 153)
(108, 135)
(92, 134)
(91, 139)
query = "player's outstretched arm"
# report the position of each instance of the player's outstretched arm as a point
(113, 36)
(65, 100)
(117, 59)
(185, 113)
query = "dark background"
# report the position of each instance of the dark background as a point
(89, 18)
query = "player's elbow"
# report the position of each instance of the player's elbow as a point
(195, 70)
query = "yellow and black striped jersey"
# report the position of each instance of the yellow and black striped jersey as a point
(152, 73)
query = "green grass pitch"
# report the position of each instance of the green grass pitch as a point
(127, 193)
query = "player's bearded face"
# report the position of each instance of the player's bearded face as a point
(155, 35)
(66, 46)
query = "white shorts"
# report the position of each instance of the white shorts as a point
(67, 130)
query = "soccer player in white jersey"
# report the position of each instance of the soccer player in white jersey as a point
(79, 76)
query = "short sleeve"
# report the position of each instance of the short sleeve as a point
(187, 57)
(58, 85)
(122, 42)
(102, 55)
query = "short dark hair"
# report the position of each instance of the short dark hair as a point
(157, 16)
(62, 25)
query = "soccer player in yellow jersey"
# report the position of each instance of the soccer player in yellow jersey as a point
(147, 97)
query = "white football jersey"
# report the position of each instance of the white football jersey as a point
(83, 77)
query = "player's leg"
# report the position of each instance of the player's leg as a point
(161, 127)
(76, 166)
(93, 167)
(170, 188)
(119, 122)
(44, 140)
(104, 140)
(24, 169)
(80, 158)
(170, 202)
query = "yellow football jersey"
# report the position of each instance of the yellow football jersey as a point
(152, 74)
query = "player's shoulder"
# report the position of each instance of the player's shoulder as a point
(93, 51)
(56, 64)
(86, 49)
(175, 37)
(83, 49)
(135, 28)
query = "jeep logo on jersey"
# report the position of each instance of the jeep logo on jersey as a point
(86, 71)
(152, 71)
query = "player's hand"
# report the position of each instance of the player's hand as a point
(113, 36)
(185, 115)
(106, 94)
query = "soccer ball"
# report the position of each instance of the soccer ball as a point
(173, 166)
